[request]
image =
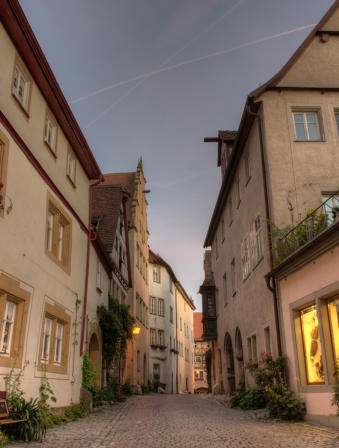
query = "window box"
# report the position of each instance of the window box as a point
(162, 347)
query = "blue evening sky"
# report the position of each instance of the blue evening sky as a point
(93, 44)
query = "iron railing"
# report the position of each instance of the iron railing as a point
(288, 240)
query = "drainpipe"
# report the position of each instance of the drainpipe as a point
(272, 288)
(91, 237)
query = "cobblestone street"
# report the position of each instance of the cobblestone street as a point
(164, 421)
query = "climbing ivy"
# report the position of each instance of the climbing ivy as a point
(116, 325)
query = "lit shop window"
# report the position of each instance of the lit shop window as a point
(312, 346)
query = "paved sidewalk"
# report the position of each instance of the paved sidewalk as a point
(182, 421)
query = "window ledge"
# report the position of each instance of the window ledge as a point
(309, 141)
(257, 263)
(234, 293)
(99, 290)
(238, 204)
(248, 180)
(71, 181)
(51, 150)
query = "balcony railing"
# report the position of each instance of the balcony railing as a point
(288, 240)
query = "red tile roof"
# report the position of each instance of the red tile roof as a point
(198, 328)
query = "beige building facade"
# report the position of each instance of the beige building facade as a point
(48, 265)
(282, 161)
(137, 361)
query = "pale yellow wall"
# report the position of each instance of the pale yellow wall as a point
(298, 172)
(140, 285)
(22, 242)
(31, 130)
(185, 368)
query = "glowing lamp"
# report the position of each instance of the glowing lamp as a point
(136, 330)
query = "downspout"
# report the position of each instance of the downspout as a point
(91, 237)
(272, 288)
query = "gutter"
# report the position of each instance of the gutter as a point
(91, 237)
(272, 287)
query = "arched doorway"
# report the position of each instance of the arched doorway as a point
(239, 354)
(230, 376)
(94, 355)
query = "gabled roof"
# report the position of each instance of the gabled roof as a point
(15, 23)
(106, 205)
(157, 259)
(276, 78)
(127, 181)
(198, 327)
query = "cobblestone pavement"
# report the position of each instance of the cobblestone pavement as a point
(185, 421)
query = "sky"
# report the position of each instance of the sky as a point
(152, 78)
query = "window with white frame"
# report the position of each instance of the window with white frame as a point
(156, 274)
(153, 336)
(7, 327)
(153, 304)
(245, 257)
(50, 135)
(71, 166)
(161, 307)
(161, 337)
(171, 314)
(46, 339)
(21, 86)
(331, 207)
(256, 241)
(58, 342)
(306, 125)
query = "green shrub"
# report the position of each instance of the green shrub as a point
(335, 399)
(249, 399)
(3, 440)
(126, 389)
(285, 405)
(89, 374)
(76, 411)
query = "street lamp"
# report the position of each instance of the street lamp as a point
(136, 330)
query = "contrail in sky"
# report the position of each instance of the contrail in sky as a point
(166, 61)
(191, 61)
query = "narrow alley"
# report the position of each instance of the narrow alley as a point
(182, 421)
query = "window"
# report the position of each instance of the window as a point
(306, 125)
(71, 167)
(7, 328)
(156, 274)
(245, 257)
(256, 241)
(197, 359)
(58, 342)
(224, 281)
(58, 236)
(161, 337)
(233, 276)
(46, 339)
(331, 208)
(312, 346)
(152, 305)
(54, 346)
(21, 86)
(161, 307)
(171, 315)
(153, 336)
(50, 134)
(333, 317)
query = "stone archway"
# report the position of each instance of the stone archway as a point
(239, 355)
(230, 374)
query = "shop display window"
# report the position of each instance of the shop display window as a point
(312, 346)
(333, 315)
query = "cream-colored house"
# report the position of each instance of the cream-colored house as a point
(282, 161)
(137, 351)
(48, 265)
